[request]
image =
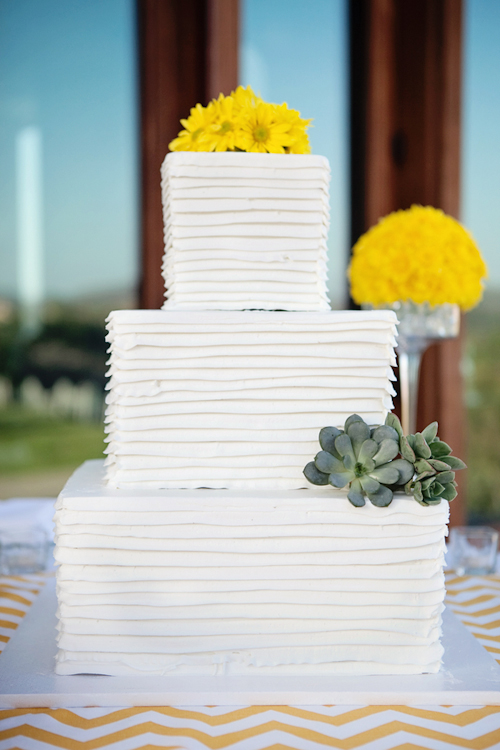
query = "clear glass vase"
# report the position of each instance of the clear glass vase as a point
(419, 326)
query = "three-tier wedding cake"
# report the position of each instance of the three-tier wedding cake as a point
(200, 548)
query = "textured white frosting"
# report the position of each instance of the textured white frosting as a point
(236, 399)
(245, 231)
(261, 577)
(201, 582)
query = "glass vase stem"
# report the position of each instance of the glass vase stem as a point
(409, 368)
(419, 326)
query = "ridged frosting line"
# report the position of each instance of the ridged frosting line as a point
(240, 208)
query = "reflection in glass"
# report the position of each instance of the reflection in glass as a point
(68, 226)
(30, 265)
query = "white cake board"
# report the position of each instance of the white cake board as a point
(469, 676)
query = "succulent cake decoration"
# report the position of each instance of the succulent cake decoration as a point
(374, 462)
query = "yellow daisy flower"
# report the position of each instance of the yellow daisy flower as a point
(242, 121)
(196, 125)
(243, 97)
(261, 132)
(300, 140)
(224, 132)
(300, 144)
(419, 255)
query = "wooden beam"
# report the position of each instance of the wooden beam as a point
(188, 53)
(412, 129)
(441, 387)
(411, 146)
(379, 198)
(358, 95)
(222, 47)
(172, 49)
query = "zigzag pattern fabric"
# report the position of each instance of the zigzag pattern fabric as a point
(245, 231)
(476, 600)
(255, 728)
(236, 399)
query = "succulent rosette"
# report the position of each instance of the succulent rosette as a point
(374, 462)
(434, 466)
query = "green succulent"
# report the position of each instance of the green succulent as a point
(363, 459)
(375, 461)
(434, 466)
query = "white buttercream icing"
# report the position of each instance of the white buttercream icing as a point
(253, 575)
(237, 399)
(202, 582)
(259, 218)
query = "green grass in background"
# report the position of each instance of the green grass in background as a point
(32, 442)
(482, 394)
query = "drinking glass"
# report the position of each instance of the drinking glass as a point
(23, 550)
(474, 549)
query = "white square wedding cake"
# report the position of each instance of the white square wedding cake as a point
(200, 548)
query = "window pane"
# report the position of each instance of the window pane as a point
(480, 212)
(67, 88)
(296, 51)
(68, 226)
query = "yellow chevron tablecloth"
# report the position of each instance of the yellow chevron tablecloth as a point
(476, 601)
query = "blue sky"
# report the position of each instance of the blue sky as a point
(68, 68)
(296, 51)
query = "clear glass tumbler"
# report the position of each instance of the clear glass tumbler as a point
(474, 549)
(23, 550)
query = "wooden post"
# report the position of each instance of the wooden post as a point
(222, 47)
(188, 53)
(172, 48)
(410, 141)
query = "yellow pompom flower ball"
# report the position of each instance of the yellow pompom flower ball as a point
(419, 255)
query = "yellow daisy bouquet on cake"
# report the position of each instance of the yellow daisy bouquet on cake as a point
(242, 121)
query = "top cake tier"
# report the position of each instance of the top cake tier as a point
(245, 231)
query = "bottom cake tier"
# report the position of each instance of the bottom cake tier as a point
(221, 582)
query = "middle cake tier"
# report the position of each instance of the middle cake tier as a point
(236, 399)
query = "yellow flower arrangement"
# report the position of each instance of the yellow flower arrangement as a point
(262, 130)
(223, 132)
(243, 122)
(196, 125)
(419, 255)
